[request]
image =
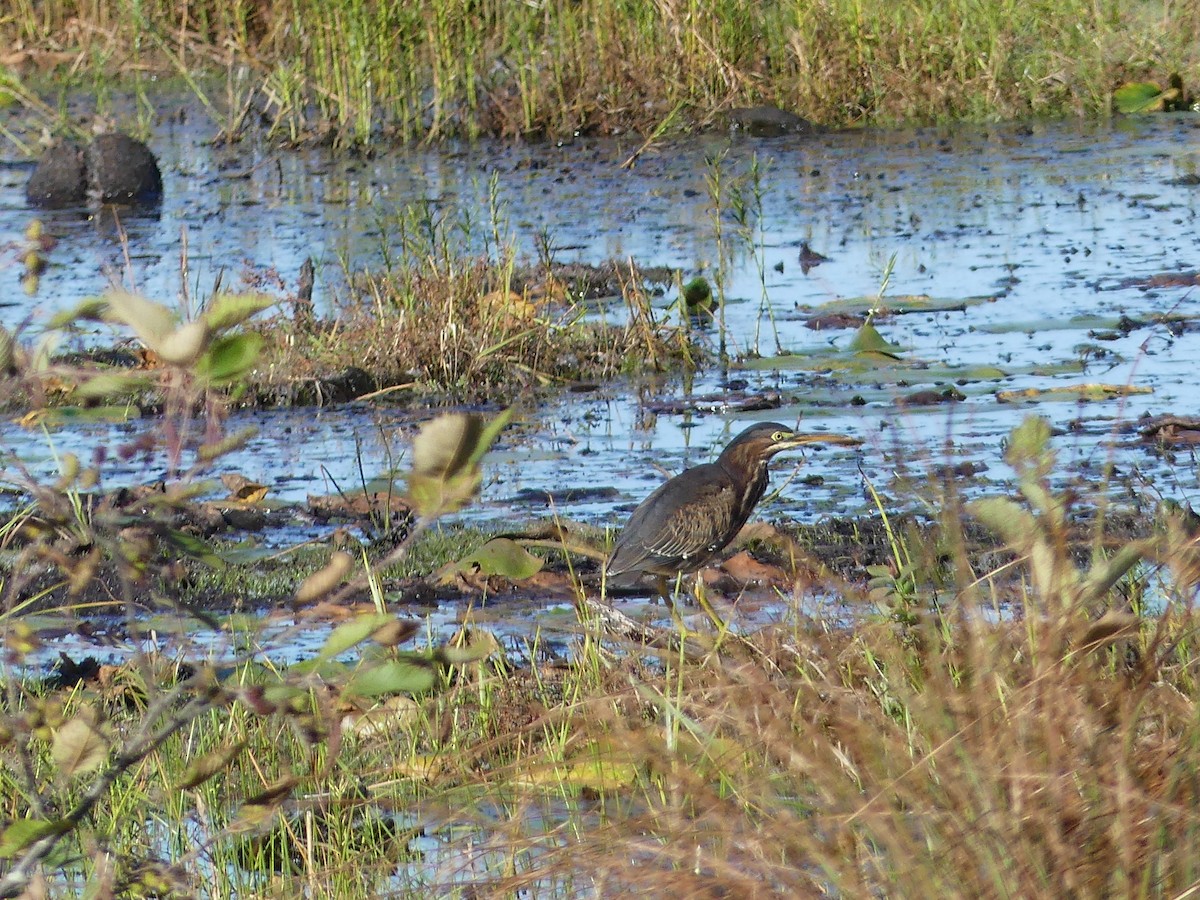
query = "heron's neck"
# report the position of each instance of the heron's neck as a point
(750, 480)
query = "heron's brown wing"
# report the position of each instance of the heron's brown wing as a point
(680, 526)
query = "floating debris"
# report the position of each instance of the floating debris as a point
(736, 402)
(1171, 429)
(810, 258)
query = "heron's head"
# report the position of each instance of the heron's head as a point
(760, 442)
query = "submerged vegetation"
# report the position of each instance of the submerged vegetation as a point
(361, 71)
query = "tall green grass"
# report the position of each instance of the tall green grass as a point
(363, 69)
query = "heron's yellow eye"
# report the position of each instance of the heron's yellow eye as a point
(779, 436)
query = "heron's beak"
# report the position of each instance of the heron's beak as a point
(818, 437)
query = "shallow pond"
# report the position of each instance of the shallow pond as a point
(1038, 244)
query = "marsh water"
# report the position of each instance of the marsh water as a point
(1019, 258)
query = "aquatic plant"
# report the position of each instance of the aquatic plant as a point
(453, 310)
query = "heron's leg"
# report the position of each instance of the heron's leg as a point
(719, 623)
(672, 606)
(660, 585)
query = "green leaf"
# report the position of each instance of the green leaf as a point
(488, 436)
(79, 746)
(156, 326)
(75, 415)
(227, 311)
(1028, 443)
(354, 632)
(443, 446)
(504, 556)
(1102, 576)
(8, 351)
(410, 674)
(259, 809)
(247, 552)
(325, 580)
(23, 832)
(195, 548)
(474, 652)
(92, 309)
(445, 460)
(432, 496)
(227, 444)
(229, 357)
(184, 345)
(284, 695)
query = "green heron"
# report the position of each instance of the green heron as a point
(692, 517)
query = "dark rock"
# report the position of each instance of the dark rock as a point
(770, 121)
(114, 168)
(122, 170)
(59, 179)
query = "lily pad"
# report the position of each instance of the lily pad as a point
(1076, 392)
(1038, 326)
(822, 360)
(906, 303)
